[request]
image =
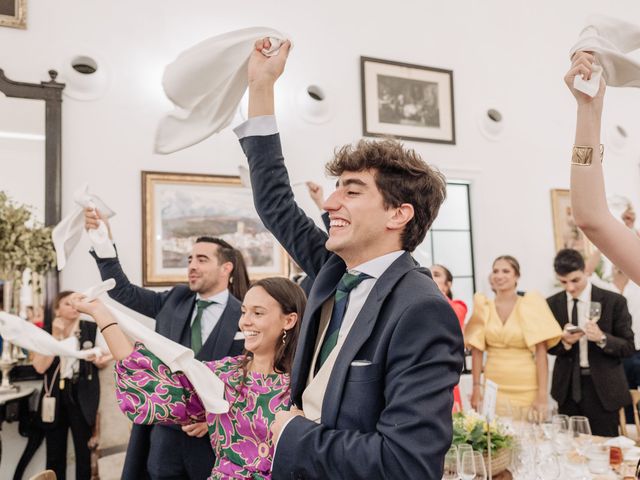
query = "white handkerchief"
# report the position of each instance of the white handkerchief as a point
(611, 40)
(67, 233)
(178, 357)
(206, 84)
(24, 334)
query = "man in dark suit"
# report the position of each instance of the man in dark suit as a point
(588, 376)
(202, 315)
(380, 349)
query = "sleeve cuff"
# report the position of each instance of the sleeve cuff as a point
(257, 127)
(275, 447)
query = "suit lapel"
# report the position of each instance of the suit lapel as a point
(323, 287)
(359, 333)
(221, 337)
(182, 317)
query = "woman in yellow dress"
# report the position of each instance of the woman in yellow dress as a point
(515, 331)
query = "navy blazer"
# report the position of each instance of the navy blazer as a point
(390, 419)
(607, 372)
(172, 310)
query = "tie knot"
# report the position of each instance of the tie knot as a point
(349, 281)
(575, 301)
(202, 304)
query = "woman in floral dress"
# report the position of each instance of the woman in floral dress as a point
(257, 382)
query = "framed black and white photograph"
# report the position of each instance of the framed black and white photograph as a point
(13, 13)
(407, 101)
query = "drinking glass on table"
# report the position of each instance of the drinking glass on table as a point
(481, 470)
(598, 459)
(451, 464)
(548, 467)
(462, 449)
(562, 438)
(580, 432)
(467, 470)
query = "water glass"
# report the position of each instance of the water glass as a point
(467, 470)
(580, 431)
(451, 464)
(462, 449)
(481, 470)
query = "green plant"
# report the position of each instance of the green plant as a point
(24, 243)
(471, 428)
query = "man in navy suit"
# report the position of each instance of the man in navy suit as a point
(380, 349)
(202, 315)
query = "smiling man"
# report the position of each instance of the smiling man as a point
(202, 315)
(380, 349)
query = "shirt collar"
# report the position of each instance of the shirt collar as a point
(585, 296)
(220, 297)
(377, 266)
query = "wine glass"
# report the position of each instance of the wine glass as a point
(467, 470)
(580, 432)
(462, 449)
(481, 471)
(562, 438)
(451, 464)
(595, 310)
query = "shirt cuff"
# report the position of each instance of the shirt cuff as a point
(275, 448)
(257, 127)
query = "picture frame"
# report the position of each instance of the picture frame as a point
(179, 207)
(566, 233)
(13, 13)
(407, 101)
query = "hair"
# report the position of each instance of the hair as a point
(239, 278)
(511, 261)
(568, 260)
(291, 299)
(448, 276)
(401, 177)
(61, 296)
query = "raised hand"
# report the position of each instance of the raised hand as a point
(263, 69)
(581, 64)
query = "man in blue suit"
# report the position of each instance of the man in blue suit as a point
(380, 349)
(202, 315)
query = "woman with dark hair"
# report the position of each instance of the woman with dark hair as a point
(444, 280)
(256, 382)
(71, 391)
(515, 331)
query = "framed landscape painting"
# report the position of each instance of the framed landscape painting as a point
(407, 101)
(177, 208)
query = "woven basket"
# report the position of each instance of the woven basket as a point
(500, 460)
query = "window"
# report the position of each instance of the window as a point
(450, 242)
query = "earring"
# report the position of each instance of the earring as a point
(284, 337)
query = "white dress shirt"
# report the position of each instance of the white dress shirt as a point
(211, 314)
(584, 300)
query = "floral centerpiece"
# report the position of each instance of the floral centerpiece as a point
(472, 428)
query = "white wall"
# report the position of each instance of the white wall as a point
(509, 55)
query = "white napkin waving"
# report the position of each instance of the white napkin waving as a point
(26, 335)
(620, 442)
(209, 387)
(610, 40)
(67, 233)
(206, 84)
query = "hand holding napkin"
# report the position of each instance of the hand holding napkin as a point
(206, 84)
(67, 233)
(178, 357)
(611, 40)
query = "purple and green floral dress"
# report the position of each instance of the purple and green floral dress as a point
(149, 392)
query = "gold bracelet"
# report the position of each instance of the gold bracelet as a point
(582, 155)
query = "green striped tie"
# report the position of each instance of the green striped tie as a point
(196, 326)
